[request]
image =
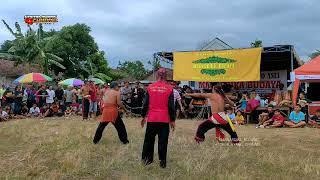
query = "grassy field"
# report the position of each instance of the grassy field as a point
(62, 149)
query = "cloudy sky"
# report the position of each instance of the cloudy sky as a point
(134, 30)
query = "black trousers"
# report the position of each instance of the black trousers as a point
(120, 127)
(86, 105)
(208, 124)
(153, 129)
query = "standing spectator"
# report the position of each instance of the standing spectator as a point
(2, 90)
(243, 102)
(18, 95)
(85, 93)
(137, 98)
(42, 95)
(79, 96)
(59, 95)
(93, 100)
(8, 98)
(31, 96)
(126, 94)
(303, 102)
(177, 100)
(68, 96)
(51, 96)
(296, 118)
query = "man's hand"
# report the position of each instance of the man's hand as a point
(172, 125)
(143, 121)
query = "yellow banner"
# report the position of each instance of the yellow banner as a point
(217, 66)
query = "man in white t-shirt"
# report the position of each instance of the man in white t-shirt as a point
(51, 96)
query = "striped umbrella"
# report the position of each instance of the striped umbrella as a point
(96, 81)
(72, 82)
(32, 77)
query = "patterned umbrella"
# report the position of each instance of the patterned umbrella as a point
(71, 82)
(96, 81)
(32, 77)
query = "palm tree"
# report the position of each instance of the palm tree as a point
(31, 48)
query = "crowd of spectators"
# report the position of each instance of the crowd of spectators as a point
(46, 101)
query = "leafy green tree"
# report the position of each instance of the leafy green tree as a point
(30, 48)
(97, 66)
(256, 43)
(135, 69)
(7, 44)
(315, 54)
(74, 44)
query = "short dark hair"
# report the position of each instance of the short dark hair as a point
(277, 110)
(113, 84)
(298, 105)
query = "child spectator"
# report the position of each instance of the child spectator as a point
(43, 110)
(68, 111)
(4, 116)
(265, 116)
(34, 111)
(276, 121)
(231, 114)
(239, 118)
(25, 110)
(243, 102)
(296, 118)
(315, 120)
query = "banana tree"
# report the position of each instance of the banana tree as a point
(92, 70)
(31, 48)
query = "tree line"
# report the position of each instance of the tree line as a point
(71, 50)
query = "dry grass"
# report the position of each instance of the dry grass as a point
(62, 149)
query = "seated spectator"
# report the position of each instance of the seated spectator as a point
(287, 101)
(54, 110)
(231, 114)
(68, 111)
(4, 116)
(25, 110)
(296, 118)
(277, 120)
(315, 120)
(265, 116)
(43, 110)
(239, 118)
(34, 111)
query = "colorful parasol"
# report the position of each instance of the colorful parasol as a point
(32, 77)
(72, 82)
(96, 81)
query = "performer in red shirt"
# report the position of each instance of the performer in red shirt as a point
(159, 112)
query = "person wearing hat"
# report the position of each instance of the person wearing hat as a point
(159, 113)
(111, 102)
